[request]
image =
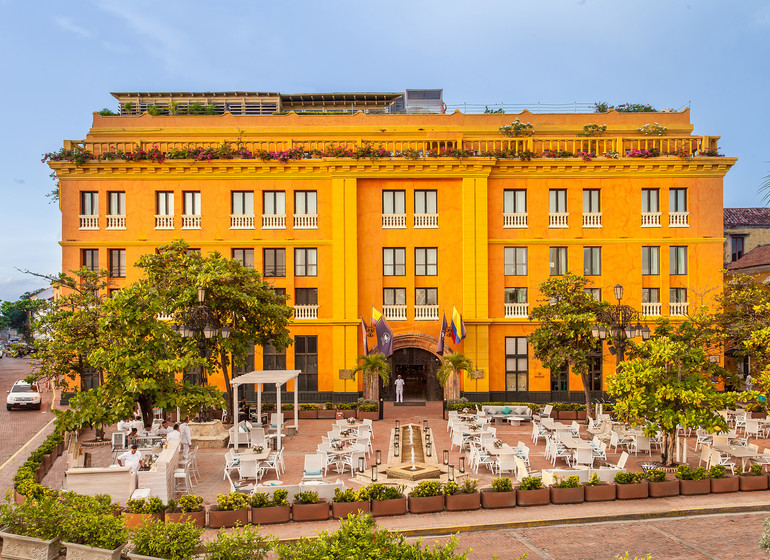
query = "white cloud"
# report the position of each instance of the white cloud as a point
(68, 25)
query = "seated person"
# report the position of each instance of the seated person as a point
(131, 439)
(164, 429)
(146, 432)
(131, 458)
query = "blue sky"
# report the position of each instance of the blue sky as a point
(59, 61)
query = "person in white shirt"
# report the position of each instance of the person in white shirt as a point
(146, 431)
(184, 436)
(124, 425)
(173, 434)
(164, 429)
(131, 459)
(399, 389)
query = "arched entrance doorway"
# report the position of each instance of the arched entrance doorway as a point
(415, 360)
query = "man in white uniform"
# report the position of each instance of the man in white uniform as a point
(399, 389)
(184, 436)
(131, 458)
(173, 434)
(164, 429)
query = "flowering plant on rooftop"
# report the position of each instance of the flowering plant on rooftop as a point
(652, 152)
(653, 129)
(586, 156)
(517, 128)
(593, 129)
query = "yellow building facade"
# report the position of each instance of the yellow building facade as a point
(439, 217)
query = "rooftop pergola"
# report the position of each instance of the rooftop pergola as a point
(260, 378)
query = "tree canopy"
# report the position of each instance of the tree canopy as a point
(372, 367)
(448, 373)
(18, 315)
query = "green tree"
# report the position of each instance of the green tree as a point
(669, 384)
(372, 367)
(565, 318)
(448, 373)
(88, 410)
(18, 315)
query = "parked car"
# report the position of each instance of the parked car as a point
(23, 395)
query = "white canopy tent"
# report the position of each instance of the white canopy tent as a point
(260, 378)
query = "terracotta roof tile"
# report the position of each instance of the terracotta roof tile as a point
(743, 217)
(758, 256)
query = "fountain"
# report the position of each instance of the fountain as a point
(415, 466)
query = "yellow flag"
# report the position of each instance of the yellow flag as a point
(376, 315)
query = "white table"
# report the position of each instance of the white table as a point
(249, 465)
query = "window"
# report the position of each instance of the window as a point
(272, 359)
(305, 203)
(274, 262)
(89, 203)
(426, 261)
(393, 261)
(274, 203)
(192, 203)
(242, 203)
(90, 259)
(426, 296)
(516, 295)
(116, 203)
(394, 296)
(394, 202)
(736, 248)
(650, 261)
(557, 201)
(515, 261)
(516, 363)
(306, 360)
(560, 378)
(305, 262)
(117, 263)
(425, 202)
(677, 295)
(514, 201)
(678, 262)
(595, 372)
(164, 203)
(558, 261)
(677, 200)
(596, 293)
(650, 295)
(244, 256)
(650, 202)
(592, 261)
(592, 201)
(306, 296)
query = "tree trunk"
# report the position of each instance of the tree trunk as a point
(146, 406)
(371, 387)
(231, 413)
(587, 389)
(667, 449)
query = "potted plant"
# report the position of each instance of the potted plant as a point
(32, 529)
(232, 509)
(426, 497)
(386, 500)
(631, 486)
(660, 487)
(308, 506)
(753, 479)
(500, 495)
(308, 411)
(266, 509)
(172, 541)
(244, 543)
(598, 491)
(348, 410)
(188, 508)
(461, 497)
(693, 481)
(349, 501)
(567, 491)
(720, 482)
(327, 411)
(531, 492)
(93, 533)
(370, 411)
(139, 511)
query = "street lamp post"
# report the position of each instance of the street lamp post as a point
(617, 322)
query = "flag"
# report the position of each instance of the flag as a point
(363, 334)
(376, 315)
(458, 327)
(384, 337)
(440, 347)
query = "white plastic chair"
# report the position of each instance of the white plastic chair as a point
(621, 464)
(315, 465)
(584, 456)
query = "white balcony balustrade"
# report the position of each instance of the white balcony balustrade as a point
(592, 219)
(116, 222)
(241, 221)
(678, 219)
(558, 219)
(651, 309)
(164, 222)
(678, 309)
(426, 312)
(516, 310)
(394, 312)
(426, 220)
(90, 221)
(305, 221)
(302, 312)
(191, 221)
(390, 221)
(650, 219)
(273, 221)
(515, 220)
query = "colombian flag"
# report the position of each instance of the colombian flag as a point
(458, 327)
(376, 315)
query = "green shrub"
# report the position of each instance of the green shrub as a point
(629, 478)
(378, 492)
(594, 480)
(718, 471)
(502, 484)
(531, 483)
(100, 530)
(40, 518)
(173, 541)
(190, 503)
(287, 406)
(469, 486)
(684, 472)
(451, 488)
(349, 495)
(368, 408)
(569, 482)
(307, 497)
(149, 505)
(232, 501)
(328, 406)
(309, 406)
(427, 488)
(655, 475)
(244, 543)
(459, 404)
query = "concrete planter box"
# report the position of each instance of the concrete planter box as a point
(221, 518)
(694, 487)
(581, 414)
(463, 502)
(726, 484)
(310, 512)
(270, 515)
(373, 415)
(307, 414)
(84, 552)
(664, 489)
(539, 497)
(600, 493)
(495, 500)
(340, 510)
(568, 415)
(197, 517)
(428, 504)
(131, 520)
(750, 483)
(389, 507)
(18, 547)
(567, 495)
(347, 413)
(135, 556)
(327, 414)
(632, 491)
